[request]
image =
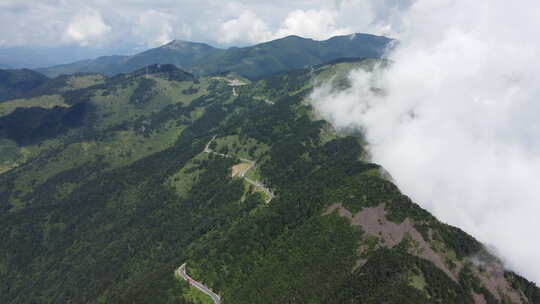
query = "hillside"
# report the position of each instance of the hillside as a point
(126, 178)
(14, 83)
(253, 62)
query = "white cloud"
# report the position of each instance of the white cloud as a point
(458, 126)
(248, 27)
(342, 18)
(86, 27)
(126, 22)
(153, 28)
(317, 24)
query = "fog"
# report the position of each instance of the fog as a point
(458, 124)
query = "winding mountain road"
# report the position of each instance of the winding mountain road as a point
(242, 174)
(181, 272)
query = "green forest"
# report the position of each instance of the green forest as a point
(103, 197)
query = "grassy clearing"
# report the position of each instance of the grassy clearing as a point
(6, 167)
(127, 146)
(46, 102)
(342, 70)
(85, 81)
(247, 148)
(12, 156)
(184, 179)
(113, 108)
(182, 92)
(418, 281)
(122, 148)
(373, 172)
(116, 107)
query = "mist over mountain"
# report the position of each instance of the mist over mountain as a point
(457, 110)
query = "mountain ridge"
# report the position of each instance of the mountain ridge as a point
(252, 61)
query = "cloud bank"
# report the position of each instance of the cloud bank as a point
(98, 23)
(458, 124)
(86, 27)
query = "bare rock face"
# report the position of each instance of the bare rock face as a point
(373, 222)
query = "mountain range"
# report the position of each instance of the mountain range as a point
(252, 62)
(113, 186)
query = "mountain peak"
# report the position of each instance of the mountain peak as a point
(294, 37)
(186, 45)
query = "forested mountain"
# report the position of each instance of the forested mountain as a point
(14, 83)
(120, 180)
(253, 62)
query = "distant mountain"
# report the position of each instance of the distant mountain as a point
(14, 83)
(253, 62)
(40, 57)
(292, 52)
(99, 65)
(183, 54)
